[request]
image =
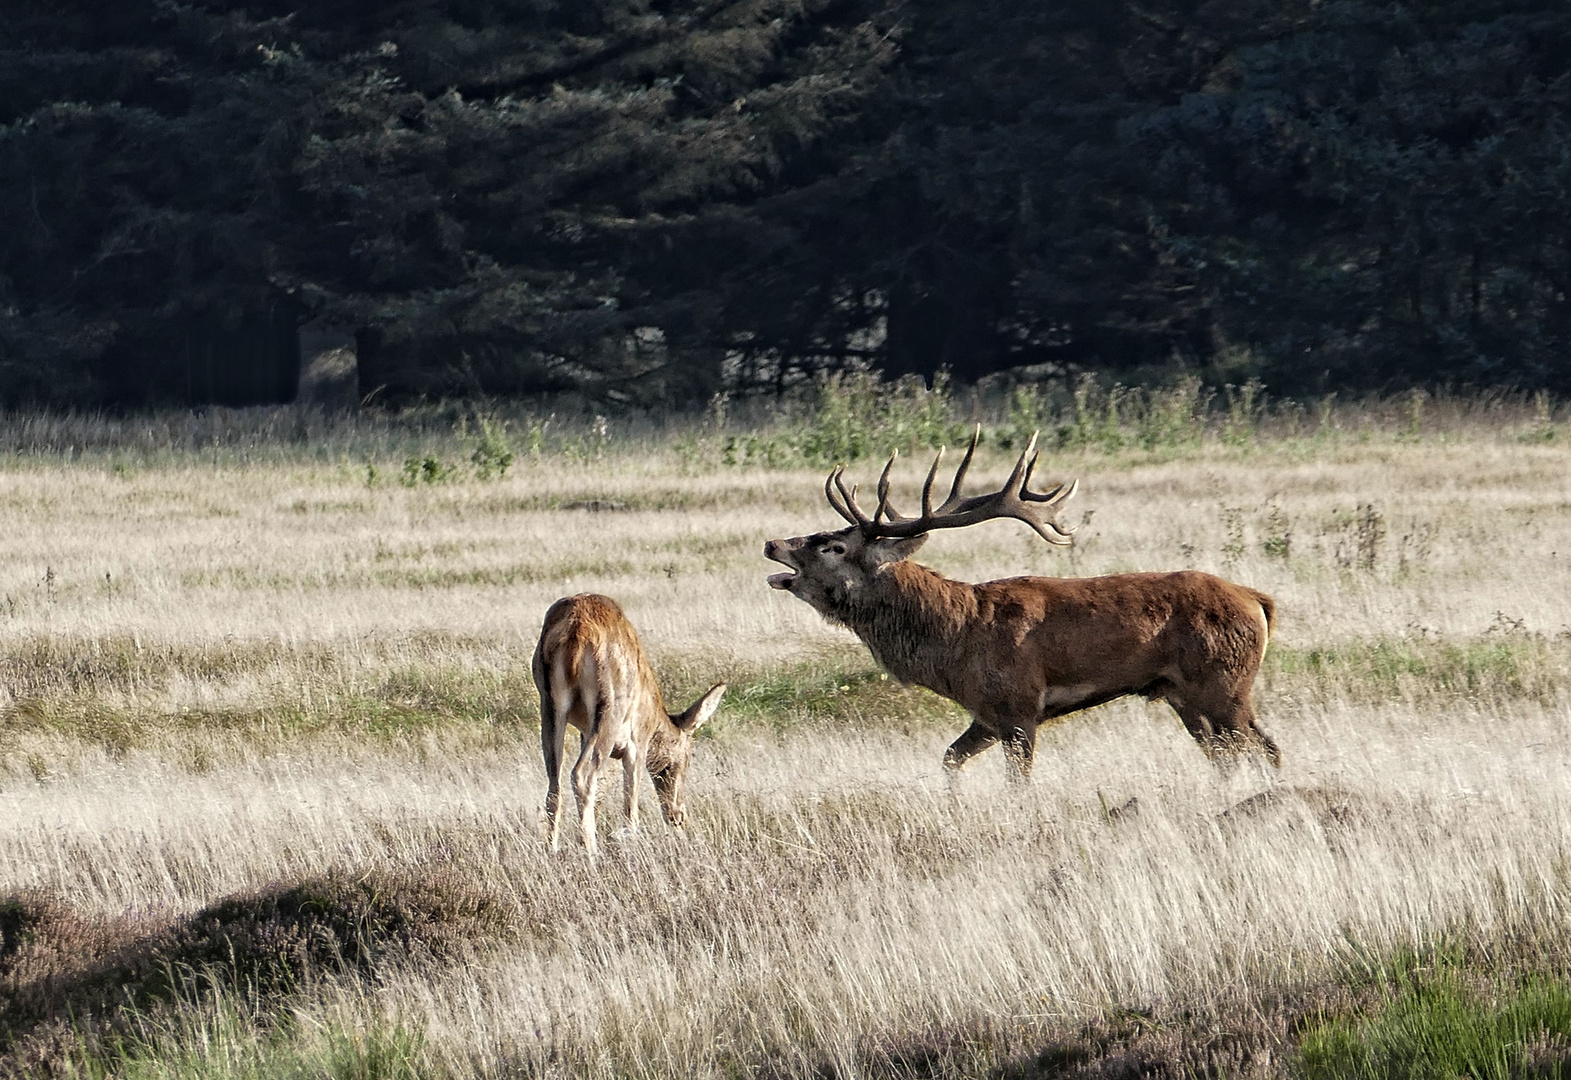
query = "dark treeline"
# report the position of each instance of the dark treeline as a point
(655, 200)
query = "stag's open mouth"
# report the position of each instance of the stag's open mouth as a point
(773, 552)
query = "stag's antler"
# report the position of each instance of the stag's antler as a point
(1013, 500)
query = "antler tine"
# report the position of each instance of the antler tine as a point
(1014, 500)
(960, 473)
(1057, 535)
(883, 491)
(1015, 485)
(849, 497)
(1061, 494)
(830, 483)
(927, 485)
(1025, 485)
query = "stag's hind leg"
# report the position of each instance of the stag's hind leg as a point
(1243, 730)
(1223, 723)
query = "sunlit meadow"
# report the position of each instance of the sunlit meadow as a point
(288, 655)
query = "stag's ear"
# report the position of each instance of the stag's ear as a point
(893, 549)
(699, 712)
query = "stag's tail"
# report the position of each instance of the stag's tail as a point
(1267, 608)
(1268, 611)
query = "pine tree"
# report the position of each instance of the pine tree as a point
(139, 149)
(527, 197)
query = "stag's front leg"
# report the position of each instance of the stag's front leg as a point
(1020, 749)
(972, 742)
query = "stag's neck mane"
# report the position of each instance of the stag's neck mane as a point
(911, 617)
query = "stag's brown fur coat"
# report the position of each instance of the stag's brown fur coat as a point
(1021, 651)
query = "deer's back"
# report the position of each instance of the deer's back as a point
(1125, 630)
(1120, 609)
(589, 649)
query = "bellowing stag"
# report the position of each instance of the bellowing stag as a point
(1021, 651)
(591, 672)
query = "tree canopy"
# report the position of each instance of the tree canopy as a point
(654, 200)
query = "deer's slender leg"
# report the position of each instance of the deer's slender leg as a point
(586, 785)
(592, 756)
(1225, 721)
(553, 738)
(1196, 722)
(631, 763)
(971, 742)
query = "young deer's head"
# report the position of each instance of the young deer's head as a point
(671, 752)
(829, 569)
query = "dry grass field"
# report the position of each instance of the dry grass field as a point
(270, 780)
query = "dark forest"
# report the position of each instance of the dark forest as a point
(652, 201)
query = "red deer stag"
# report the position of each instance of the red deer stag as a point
(1019, 652)
(592, 673)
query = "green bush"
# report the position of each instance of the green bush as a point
(1110, 418)
(425, 470)
(493, 454)
(859, 415)
(851, 417)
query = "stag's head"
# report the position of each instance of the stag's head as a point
(670, 755)
(829, 569)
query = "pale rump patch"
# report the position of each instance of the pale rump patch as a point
(584, 692)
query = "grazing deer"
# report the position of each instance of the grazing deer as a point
(592, 673)
(1019, 652)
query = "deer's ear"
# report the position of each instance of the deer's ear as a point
(699, 712)
(893, 549)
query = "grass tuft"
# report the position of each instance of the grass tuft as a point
(216, 1039)
(1488, 667)
(1437, 1023)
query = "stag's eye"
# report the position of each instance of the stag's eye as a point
(832, 549)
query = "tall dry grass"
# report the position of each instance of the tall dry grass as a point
(228, 677)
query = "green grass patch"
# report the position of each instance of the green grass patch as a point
(406, 577)
(222, 1044)
(833, 689)
(1501, 666)
(108, 691)
(395, 707)
(1437, 1024)
(407, 701)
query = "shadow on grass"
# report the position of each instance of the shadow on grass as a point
(69, 981)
